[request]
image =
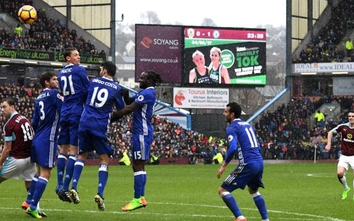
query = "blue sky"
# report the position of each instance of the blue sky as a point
(226, 13)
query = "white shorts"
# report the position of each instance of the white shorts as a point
(18, 169)
(345, 161)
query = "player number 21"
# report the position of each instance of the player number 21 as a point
(68, 87)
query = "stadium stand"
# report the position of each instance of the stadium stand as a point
(329, 45)
(286, 133)
(45, 34)
(171, 140)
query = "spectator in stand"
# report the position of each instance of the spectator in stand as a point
(218, 158)
(43, 34)
(296, 137)
(18, 30)
(320, 118)
(321, 47)
(125, 160)
(349, 47)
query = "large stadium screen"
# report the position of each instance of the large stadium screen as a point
(224, 56)
(159, 48)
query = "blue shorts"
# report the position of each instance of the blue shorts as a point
(69, 131)
(44, 152)
(89, 142)
(249, 174)
(141, 146)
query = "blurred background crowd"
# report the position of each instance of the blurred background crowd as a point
(43, 35)
(331, 44)
(285, 133)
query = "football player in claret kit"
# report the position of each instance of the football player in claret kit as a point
(346, 158)
(15, 159)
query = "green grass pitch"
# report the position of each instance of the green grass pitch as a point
(293, 192)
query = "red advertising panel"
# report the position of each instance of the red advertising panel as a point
(159, 48)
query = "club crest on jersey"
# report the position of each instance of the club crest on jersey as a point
(350, 136)
(140, 98)
(230, 138)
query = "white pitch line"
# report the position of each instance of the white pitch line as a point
(311, 217)
(321, 175)
(253, 209)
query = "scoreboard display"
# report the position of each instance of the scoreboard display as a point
(196, 56)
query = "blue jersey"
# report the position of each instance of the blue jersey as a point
(102, 95)
(142, 116)
(46, 114)
(73, 82)
(242, 139)
(45, 124)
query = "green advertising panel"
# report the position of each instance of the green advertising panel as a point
(47, 56)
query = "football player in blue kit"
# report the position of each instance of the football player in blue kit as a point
(45, 123)
(142, 107)
(103, 94)
(243, 142)
(73, 82)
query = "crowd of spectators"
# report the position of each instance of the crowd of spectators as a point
(171, 139)
(286, 133)
(45, 34)
(283, 134)
(328, 45)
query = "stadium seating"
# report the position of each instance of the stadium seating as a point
(286, 133)
(283, 134)
(171, 140)
(328, 46)
(45, 34)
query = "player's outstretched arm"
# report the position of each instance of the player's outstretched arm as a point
(329, 140)
(127, 99)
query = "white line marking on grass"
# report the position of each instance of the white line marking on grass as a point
(271, 211)
(311, 217)
(321, 175)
